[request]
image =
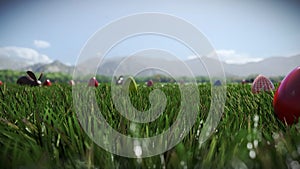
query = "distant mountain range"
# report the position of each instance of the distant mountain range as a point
(273, 66)
(55, 66)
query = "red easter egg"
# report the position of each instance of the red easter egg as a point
(71, 82)
(93, 82)
(244, 81)
(1, 83)
(287, 98)
(47, 83)
(150, 83)
(262, 83)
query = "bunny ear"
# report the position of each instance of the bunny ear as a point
(41, 75)
(32, 75)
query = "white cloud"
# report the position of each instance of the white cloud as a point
(23, 55)
(41, 44)
(232, 57)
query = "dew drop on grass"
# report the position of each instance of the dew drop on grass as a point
(137, 151)
(249, 145)
(201, 122)
(252, 154)
(112, 158)
(255, 143)
(256, 118)
(198, 133)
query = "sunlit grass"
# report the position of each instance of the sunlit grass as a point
(39, 129)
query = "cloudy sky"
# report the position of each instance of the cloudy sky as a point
(240, 31)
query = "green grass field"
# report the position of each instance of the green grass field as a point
(39, 129)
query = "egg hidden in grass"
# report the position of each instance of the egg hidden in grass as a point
(286, 100)
(130, 84)
(150, 83)
(47, 83)
(262, 84)
(93, 82)
(72, 82)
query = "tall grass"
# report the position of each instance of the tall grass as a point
(39, 129)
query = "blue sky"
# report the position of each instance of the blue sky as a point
(240, 31)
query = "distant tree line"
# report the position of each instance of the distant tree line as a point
(11, 76)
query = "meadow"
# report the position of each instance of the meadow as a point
(39, 129)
